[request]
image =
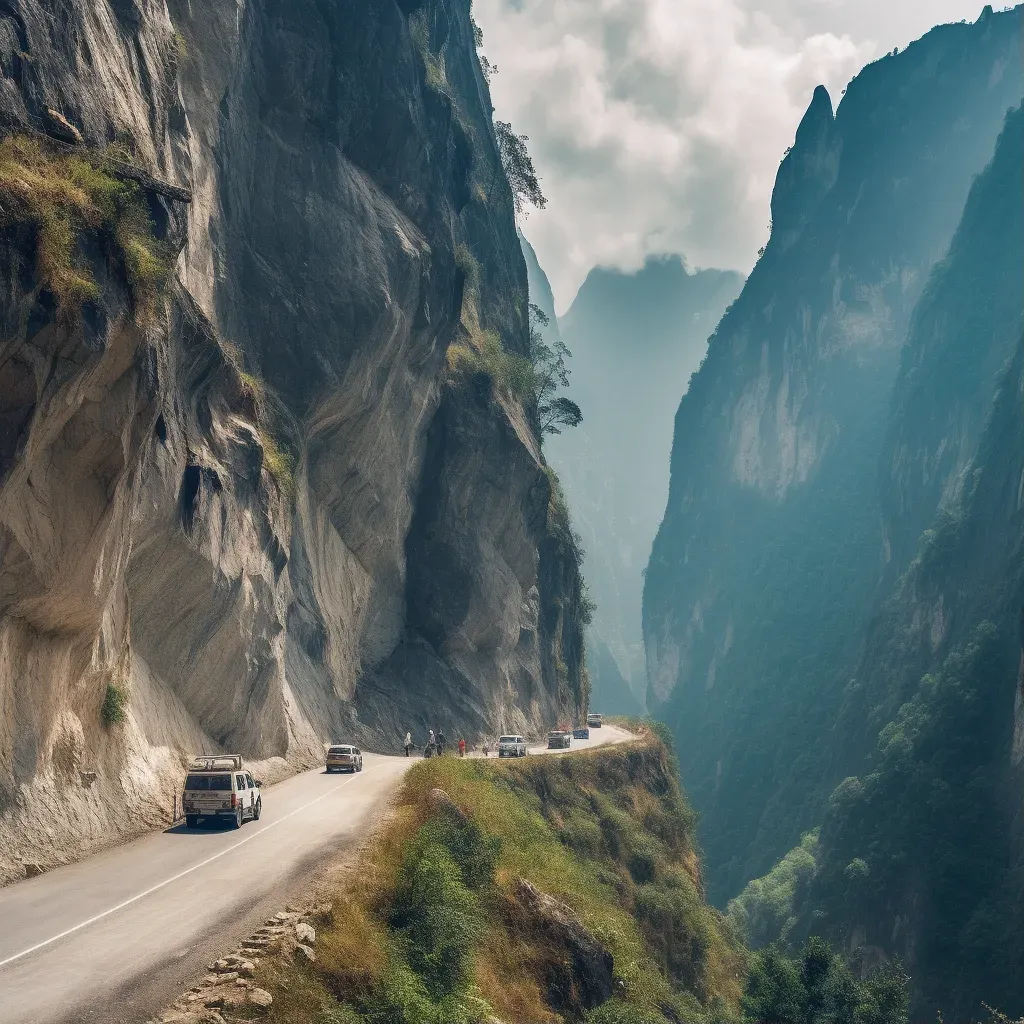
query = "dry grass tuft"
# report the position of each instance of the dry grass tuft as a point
(67, 197)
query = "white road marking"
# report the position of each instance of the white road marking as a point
(181, 874)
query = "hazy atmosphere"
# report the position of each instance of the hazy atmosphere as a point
(511, 512)
(671, 117)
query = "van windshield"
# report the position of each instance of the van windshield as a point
(340, 750)
(509, 739)
(208, 782)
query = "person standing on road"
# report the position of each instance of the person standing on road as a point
(440, 741)
(462, 748)
(408, 743)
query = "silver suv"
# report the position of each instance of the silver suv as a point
(218, 788)
(344, 758)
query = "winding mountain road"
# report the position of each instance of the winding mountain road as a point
(114, 938)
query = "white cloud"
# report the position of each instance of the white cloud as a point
(658, 125)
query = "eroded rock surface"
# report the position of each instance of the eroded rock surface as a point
(265, 513)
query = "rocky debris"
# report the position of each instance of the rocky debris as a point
(439, 800)
(62, 128)
(204, 1016)
(32, 869)
(261, 997)
(579, 973)
(228, 985)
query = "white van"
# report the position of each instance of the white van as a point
(218, 788)
(511, 746)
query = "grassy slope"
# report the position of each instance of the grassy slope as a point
(429, 929)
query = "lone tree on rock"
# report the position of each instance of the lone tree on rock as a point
(519, 169)
(551, 373)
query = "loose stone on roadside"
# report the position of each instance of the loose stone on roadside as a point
(260, 997)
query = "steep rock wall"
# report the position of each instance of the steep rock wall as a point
(244, 510)
(772, 552)
(933, 814)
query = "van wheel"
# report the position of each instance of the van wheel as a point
(237, 823)
(191, 821)
(257, 810)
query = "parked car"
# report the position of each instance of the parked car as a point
(511, 746)
(595, 721)
(344, 758)
(219, 788)
(581, 734)
(559, 739)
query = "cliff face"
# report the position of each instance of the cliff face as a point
(931, 820)
(261, 507)
(774, 550)
(919, 852)
(636, 338)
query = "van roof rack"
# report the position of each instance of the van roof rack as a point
(216, 763)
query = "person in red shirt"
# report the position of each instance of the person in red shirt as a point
(462, 748)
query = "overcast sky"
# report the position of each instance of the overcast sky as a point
(657, 125)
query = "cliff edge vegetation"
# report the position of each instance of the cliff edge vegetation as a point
(555, 889)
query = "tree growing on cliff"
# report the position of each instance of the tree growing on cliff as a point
(551, 373)
(817, 987)
(519, 169)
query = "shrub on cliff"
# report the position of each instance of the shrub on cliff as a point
(817, 987)
(115, 705)
(67, 197)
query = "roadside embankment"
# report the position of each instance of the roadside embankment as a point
(545, 890)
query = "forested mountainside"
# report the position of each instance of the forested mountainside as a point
(263, 476)
(791, 452)
(919, 854)
(635, 339)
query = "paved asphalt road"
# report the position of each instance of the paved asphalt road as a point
(116, 937)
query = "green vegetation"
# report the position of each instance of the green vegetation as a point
(559, 520)
(280, 463)
(433, 933)
(930, 819)
(433, 63)
(70, 200)
(114, 709)
(532, 381)
(480, 351)
(519, 169)
(550, 374)
(817, 987)
(766, 910)
(277, 459)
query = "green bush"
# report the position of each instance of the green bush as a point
(617, 1011)
(115, 705)
(475, 852)
(765, 911)
(66, 196)
(817, 987)
(438, 917)
(401, 998)
(340, 1015)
